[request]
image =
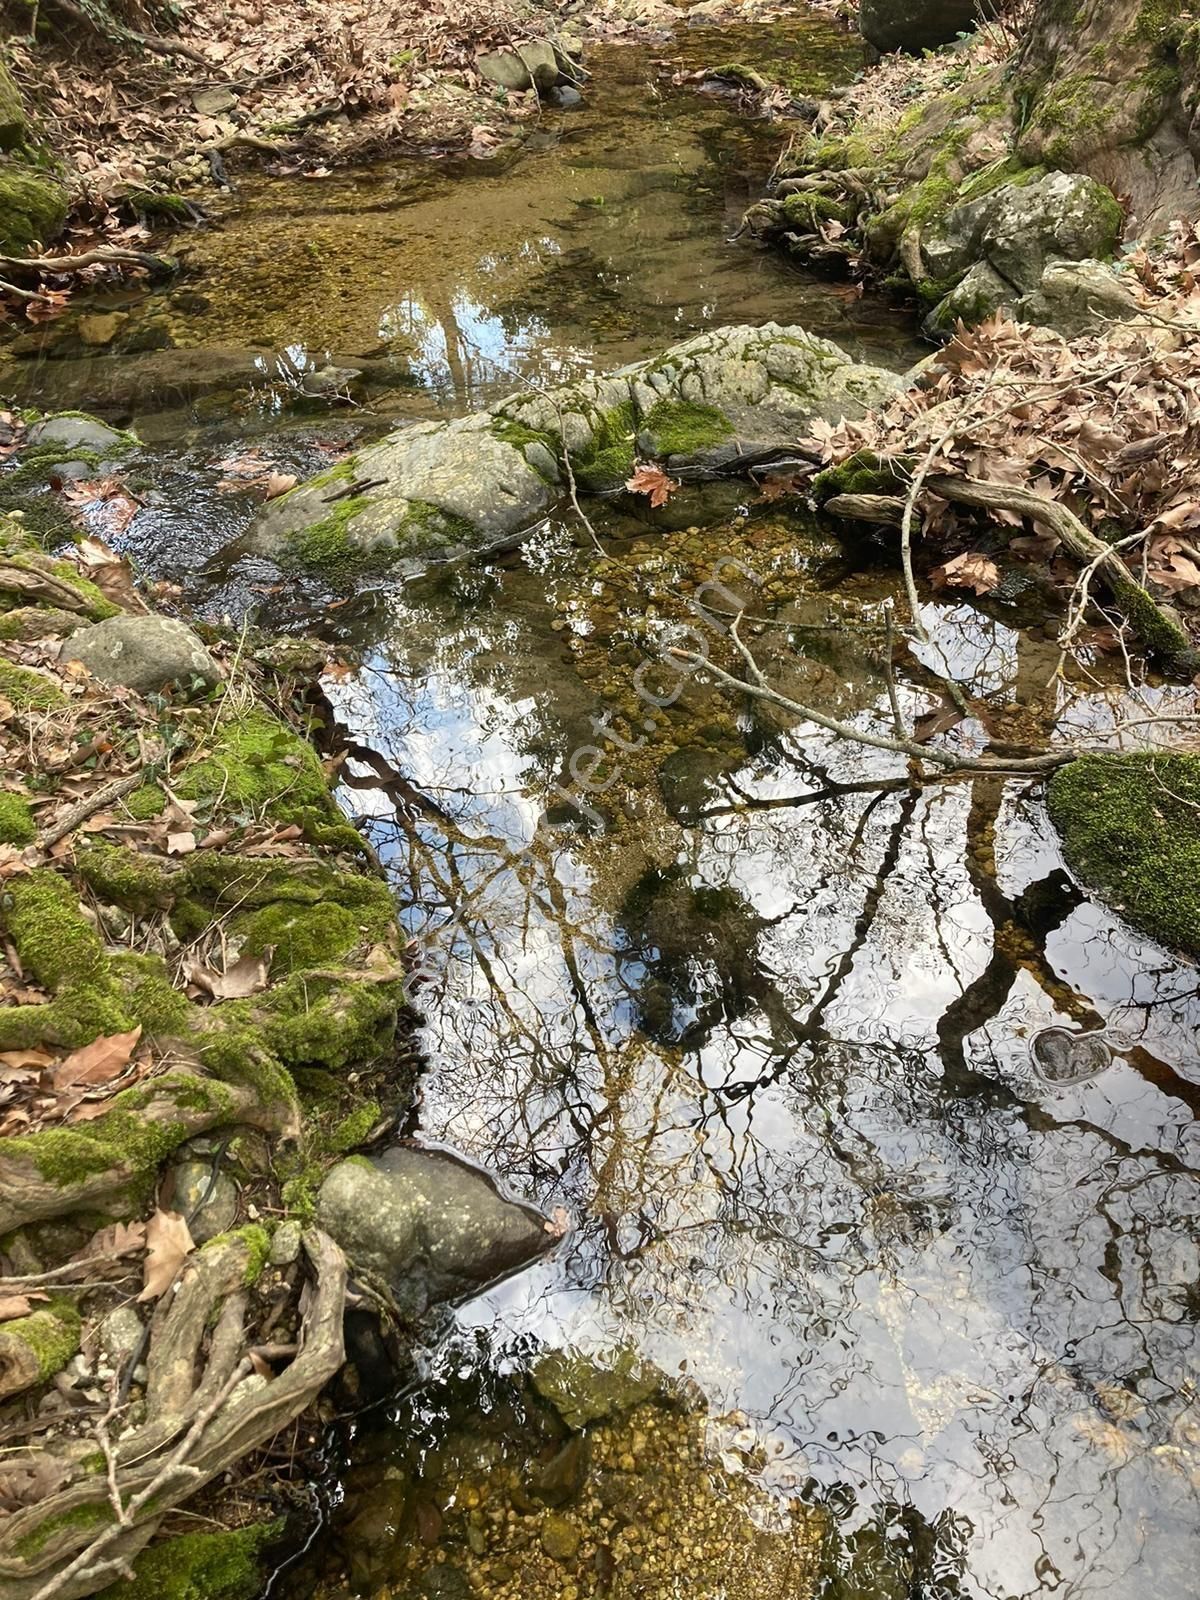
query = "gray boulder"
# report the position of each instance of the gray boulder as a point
(429, 1225)
(142, 653)
(77, 432)
(981, 292)
(1062, 216)
(527, 66)
(434, 490)
(1074, 296)
(915, 25)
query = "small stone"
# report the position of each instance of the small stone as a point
(120, 1334)
(560, 1537)
(214, 102)
(476, 1540)
(219, 1210)
(100, 328)
(285, 1243)
(144, 653)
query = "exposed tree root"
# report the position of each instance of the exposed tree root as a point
(70, 1169)
(1162, 635)
(201, 1417)
(106, 256)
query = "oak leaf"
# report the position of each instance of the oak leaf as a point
(99, 1062)
(971, 570)
(168, 1245)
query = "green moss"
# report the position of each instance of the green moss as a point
(1130, 828)
(124, 1135)
(257, 1243)
(863, 473)
(160, 1009)
(54, 940)
(167, 207)
(50, 1334)
(29, 691)
(518, 434)
(609, 460)
(428, 527)
(85, 1518)
(146, 803)
(257, 767)
(33, 207)
(353, 1129)
(301, 936)
(326, 547)
(124, 876)
(16, 820)
(199, 1566)
(677, 427)
(808, 211)
(308, 1021)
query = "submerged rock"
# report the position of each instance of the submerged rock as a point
(435, 490)
(428, 1224)
(143, 653)
(73, 431)
(584, 1388)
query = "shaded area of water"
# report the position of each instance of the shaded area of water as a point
(762, 1022)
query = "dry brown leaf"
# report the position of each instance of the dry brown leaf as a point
(118, 1239)
(180, 844)
(971, 570)
(940, 720)
(99, 1062)
(245, 977)
(25, 1060)
(279, 483)
(168, 1245)
(18, 1305)
(652, 481)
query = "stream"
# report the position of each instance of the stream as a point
(760, 1017)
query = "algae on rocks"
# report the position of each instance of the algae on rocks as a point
(33, 199)
(437, 490)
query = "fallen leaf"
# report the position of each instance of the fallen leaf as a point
(180, 844)
(279, 483)
(971, 570)
(18, 1305)
(940, 720)
(557, 1223)
(652, 481)
(25, 1060)
(99, 1062)
(245, 977)
(168, 1245)
(118, 1239)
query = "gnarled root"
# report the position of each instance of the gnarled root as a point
(199, 1422)
(68, 1169)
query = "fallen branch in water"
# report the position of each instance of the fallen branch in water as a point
(1159, 631)
(949, 760)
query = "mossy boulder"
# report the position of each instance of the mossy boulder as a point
(1130, 827)
(33, 206)
(440, 489)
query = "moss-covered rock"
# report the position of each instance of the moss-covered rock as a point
(33, 206)
(35, 1347)
(199, 1566)
(1130, 826)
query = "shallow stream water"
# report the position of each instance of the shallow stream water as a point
(757, 1014)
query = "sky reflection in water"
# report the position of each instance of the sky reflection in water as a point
(819, 1172)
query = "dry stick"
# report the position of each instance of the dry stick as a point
(60, 265)
(96, 801)
(1047, 761)
(1158, 629)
